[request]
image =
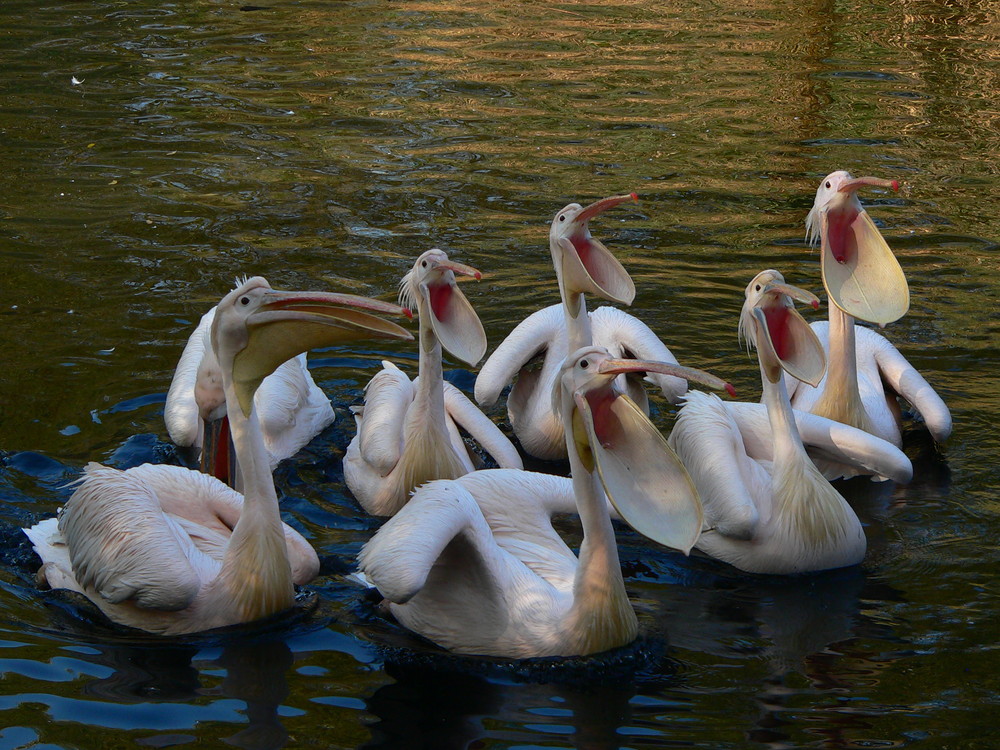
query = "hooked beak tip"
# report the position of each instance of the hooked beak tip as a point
(408, 313)
(634, 197)
(478, 275)
(730, 390)
(815, 304)
(895, 186)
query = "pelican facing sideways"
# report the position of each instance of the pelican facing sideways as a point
(290, 407)
(778, 515)
(475, 565)
(170, 550)
(583, 265)
(863, 280)
(408, 432)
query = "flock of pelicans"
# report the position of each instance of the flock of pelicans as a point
(469, 558)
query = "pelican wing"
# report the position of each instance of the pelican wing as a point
(291, 408)
(401, 555)
(824, 438)
(710, 444)
(533, 335)
(122, 545)
(903, 378)
(388, 396)
(625, 335)
(482, 429)
(180, 411)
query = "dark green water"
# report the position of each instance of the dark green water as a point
(327, 144)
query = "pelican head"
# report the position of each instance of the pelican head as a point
(430, 286)
(784, 341)
(583, 264)
(257, 328)
(861, 275)
(641, 474)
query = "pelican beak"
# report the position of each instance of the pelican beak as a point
(642, 476)
(784, 339)
(289, 323)
(861, 275)
(588, 267)
(453, 319)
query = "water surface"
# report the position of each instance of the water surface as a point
(152, 153)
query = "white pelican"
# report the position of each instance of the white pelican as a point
(170, 550)
(863, 280)
(408, 432)
(475, 565)
(780, 515)
(291, 408)
(583, 266)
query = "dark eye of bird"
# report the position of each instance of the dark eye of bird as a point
(423, 264)
(584, 364)
(828, 185)
(562, 218)
(757, 288)
(244, 300)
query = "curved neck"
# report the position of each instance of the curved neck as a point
(601, 616)
(255, 568)
(787, 441)
(430, 384)
(841, 399)
(577, 320)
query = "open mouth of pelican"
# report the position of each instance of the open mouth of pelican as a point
(588, 266)
(452, 317)
(860, 272)
(783, 338)
(641, 474)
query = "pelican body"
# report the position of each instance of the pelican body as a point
(408, 431)
(863, 280)
(474, 563)
(583, 265)
(170, 550)
(778, 515)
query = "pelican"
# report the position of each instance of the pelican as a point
(863, 280)
(290, 407)
(170, 550)
(780, 515)
(408, 432)
(583, 265)
(474, 564)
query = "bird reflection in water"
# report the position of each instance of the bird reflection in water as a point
(429, 708)
(151, 673)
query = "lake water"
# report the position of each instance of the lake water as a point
(153, 152)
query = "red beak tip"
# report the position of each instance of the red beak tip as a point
(634, 197)
(815, 304)
(479, 276)
(730, 390)
(408, 313)
(895, 185)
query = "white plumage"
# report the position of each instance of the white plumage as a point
(475, 565)
(583, 265)
(408, 432)
(170, 550)
(863, 280)
(772, 511)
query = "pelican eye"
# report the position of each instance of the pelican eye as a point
(584, 364)
(757, 288)
(562, 217)
(828, 185)
(244, 301)
(423, 264)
